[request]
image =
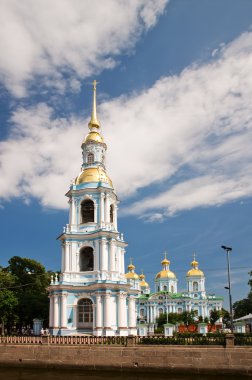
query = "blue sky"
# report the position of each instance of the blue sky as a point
(174, 98)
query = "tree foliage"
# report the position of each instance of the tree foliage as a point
(8, 300)
(244, 306)
(214, 316)
(23, 292)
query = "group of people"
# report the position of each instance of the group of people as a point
(44, 332)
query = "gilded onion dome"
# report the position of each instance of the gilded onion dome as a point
(131, 275)
(143, 283)
(96, 174)
(165, 272)
(195, 271)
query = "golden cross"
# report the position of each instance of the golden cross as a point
(94, 84)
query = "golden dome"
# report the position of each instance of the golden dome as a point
(93, 175)
(93, 136)
(195, 272)
(132, 276)
(143, 283)
(165, 274)
(165, 262)
(131, 267)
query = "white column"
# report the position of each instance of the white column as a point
(98, 311)
(132, 312)
(51, 320)
(104, 255)
(56, 311)
(66, 253)
(122, 310)
(107, 323)
(112, 255)
(63, 310)
(73, 211)
(148, 313)
(97, 256)
(102, 207)
(122, 261)
(107, 209)
(154, 313)
(63, 257)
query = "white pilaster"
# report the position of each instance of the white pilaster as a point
(122, 323)
(73, 212)
(56, 311)
(112, 255)
(132, 312)
(97, 255)
(63, 310)
(102, 208)
(51, 314)
(107, 209)
(98, 311)
(104, 255)
(122, 261)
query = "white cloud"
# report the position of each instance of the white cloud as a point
(192, 130)
(46, 39)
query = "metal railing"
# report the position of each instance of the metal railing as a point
(178, 340)
(184, 340)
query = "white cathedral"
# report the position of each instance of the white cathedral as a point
(93, 295)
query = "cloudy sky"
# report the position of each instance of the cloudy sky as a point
(175, 103)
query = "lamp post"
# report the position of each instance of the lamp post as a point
(228, 250)
(166, 301)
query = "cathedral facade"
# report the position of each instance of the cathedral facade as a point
(167, 299)
(91, 295)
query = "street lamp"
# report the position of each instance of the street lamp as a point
(228, 250)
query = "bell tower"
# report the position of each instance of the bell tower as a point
(92, 294)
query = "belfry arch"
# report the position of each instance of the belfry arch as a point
(87, 211)
(86, 259)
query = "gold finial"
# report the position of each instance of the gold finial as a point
(131, 266)
(165, 261)
(194, 263)
(94, 122)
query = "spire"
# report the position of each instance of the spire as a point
(94, 122)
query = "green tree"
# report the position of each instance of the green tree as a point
(244, 306)
(8, 300)
(188, 317)
(172, 318)
(31, 281)
(214, 316)
(226, 318)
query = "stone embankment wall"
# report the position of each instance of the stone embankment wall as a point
(183, 359)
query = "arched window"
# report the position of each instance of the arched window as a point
(160, 311)
(180, 310)
(195, 286)
(165, 288)
(85, 313)
(87, 211)
(86, 259)
(141, 312)
(172, 289)
(90, 158)
(111, 212)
